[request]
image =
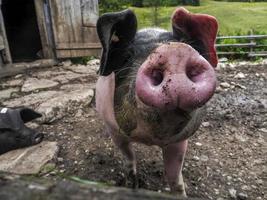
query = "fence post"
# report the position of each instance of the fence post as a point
(251, 40)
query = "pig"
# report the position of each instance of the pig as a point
(14, 133)
(153, 85)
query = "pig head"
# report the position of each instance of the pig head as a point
(13, 132)
(154, 84)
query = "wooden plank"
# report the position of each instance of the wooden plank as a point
(67, 19)
(251, 44)
(47, 44)
(242, 37)
(231, 53)
(78, 46)
(6, 52)
(78, 53)
(89, 11)
(257, 55)
(2, 44)
(13, 69)
(69, 30)
(260, 45)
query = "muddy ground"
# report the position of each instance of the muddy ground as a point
(226, 158)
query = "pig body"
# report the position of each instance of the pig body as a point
(153, 85)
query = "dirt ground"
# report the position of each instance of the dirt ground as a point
(226, 158)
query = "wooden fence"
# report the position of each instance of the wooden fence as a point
(250, 48)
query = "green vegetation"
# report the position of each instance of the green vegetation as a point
(233, 17)
(115, 5)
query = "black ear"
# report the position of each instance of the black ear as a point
(28, 114)
(115, 31)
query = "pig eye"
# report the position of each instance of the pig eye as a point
(156, 77)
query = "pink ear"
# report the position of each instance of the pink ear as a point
(200, 27)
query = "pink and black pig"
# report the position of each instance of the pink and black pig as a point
(154, 84)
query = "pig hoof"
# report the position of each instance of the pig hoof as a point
(134, 179)
(180, 191)
(131, 176)
(182, 194)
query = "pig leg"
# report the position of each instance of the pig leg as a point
(105, 89)
(173, 157)
(126, 148)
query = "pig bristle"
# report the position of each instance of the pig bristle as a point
(126, 116)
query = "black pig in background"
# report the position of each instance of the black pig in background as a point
(13, 132)
(154, 84)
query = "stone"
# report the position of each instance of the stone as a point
(31, 99)
(93, 62)
(204, 158)
(223, 59)
(232, 66)
(264, 61)
(264, 130)
(32, 84)
(79, 113)
(245, 187)
(13, 83)
(7, 93)
(263, 102)
(67, 76)
(240, 86)
(28, 160)
(221, 66)
(53, 105)
(66, 63)
(242, 196)
(81, 69)
(61, 76)
(198, 144)
(241, 137)
(56, 107)
(225, 85)
(219, 89)
(232, 193)
(19, 76)
(240, 75)
(205, 124)
(259, 181)
(196, 158)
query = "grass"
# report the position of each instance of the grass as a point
(233, 17)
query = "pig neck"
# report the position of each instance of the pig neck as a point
(151, 126)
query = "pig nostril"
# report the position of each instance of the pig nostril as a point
(194, 73)
(38, 138)
(156, 77)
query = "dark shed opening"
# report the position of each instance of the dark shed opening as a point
(22, 30)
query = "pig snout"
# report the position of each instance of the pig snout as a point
(37, 138)
(175, 76)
